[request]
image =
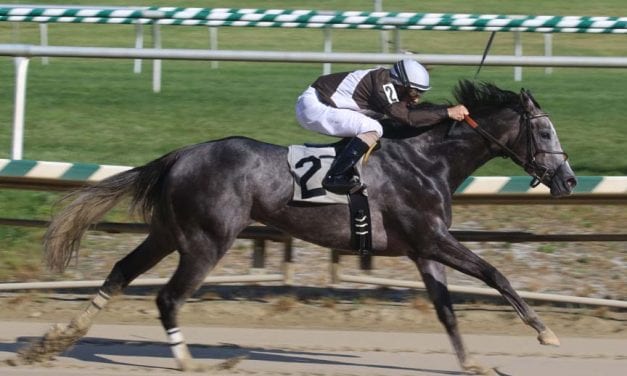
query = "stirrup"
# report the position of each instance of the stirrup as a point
(342, 184)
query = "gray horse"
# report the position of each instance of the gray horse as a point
(199, 198)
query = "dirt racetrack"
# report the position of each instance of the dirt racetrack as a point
(137, 350)
(299, 332)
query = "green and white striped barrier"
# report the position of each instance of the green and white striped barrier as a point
(520, 184)
(316, 19)
(91, 173)
(82, 172)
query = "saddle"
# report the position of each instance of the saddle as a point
(308, 164)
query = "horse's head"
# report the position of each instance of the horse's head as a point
(516, 127)
(539, 149)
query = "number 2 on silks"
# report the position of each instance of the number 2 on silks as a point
(315, 167)
(390, 93)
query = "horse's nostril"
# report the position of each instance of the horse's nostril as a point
(572, 182)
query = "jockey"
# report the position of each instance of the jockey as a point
(348, 104)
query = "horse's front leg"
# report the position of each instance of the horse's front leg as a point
(434, 277)
(447, 250)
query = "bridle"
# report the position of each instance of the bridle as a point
(540, 173)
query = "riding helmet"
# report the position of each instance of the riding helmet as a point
(411, 73)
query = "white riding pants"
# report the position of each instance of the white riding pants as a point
(318, 117)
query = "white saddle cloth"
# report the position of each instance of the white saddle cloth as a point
(309, 166)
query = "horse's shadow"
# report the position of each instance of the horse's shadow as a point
(99, 350)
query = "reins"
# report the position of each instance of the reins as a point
(506, 149)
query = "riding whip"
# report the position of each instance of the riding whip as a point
(485, 52)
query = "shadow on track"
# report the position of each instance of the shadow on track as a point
(99, 350)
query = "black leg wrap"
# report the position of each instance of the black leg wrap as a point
(361, 231)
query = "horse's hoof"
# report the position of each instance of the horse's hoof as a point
(13, 362)
(229, 363)
(56, 340)
(547, 337)
(190, 365)
(193, 366)
(475, 368)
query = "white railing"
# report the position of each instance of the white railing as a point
(23, 53)
(306, 57)
(316, 19)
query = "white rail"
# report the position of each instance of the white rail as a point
(23, 53)
(485, 291)
(257, 278)
(28, 51)
(341, 277)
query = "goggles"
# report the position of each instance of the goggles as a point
(414, 95)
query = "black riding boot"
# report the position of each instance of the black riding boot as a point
(341, 178)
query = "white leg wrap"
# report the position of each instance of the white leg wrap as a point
(180, 351)
(84, 319)
(100, 300)
(175, 336)
(177, 344)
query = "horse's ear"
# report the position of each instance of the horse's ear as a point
(527, 101)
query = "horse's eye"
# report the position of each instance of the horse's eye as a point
(545, 135)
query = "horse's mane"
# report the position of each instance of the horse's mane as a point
(479, 97)
(484, 96)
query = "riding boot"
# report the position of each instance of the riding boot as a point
(341, 178)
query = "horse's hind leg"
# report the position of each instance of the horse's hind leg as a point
(197, 258)
(59, 337)
(140, 260)
(454, 254)
(434, 277)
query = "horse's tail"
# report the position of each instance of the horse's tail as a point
(91, 203)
